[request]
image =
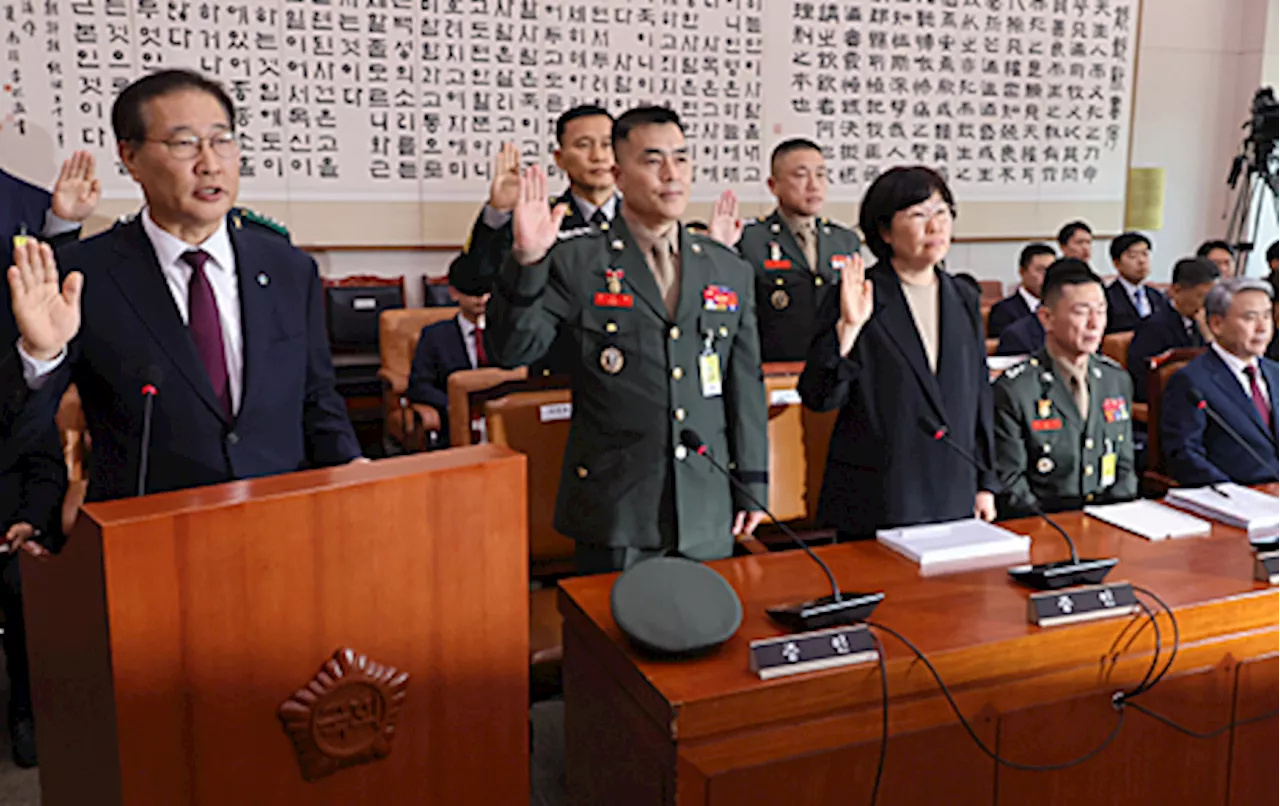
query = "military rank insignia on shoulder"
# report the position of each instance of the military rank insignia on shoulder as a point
(242, 216)
(577, 232)
(1110, 362)
(1016, 370)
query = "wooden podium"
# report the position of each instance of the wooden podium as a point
(191, 647)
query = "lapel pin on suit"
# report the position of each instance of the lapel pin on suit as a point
(263, 279)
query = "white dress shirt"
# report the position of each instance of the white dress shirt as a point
(1143, 306)
(220, 269)
(1033, 302)
(1237, 366)
(468, 329)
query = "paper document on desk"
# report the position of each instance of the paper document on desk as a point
(1150, 520)
(1241, 507)
(957, 545)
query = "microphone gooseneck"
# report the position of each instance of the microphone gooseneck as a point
(941, 434)
(149, 391)
(1203, 405)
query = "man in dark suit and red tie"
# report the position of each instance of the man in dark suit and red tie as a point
(454, 344)
(223, 316)
(1234, 380)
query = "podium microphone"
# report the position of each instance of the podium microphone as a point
(841, 607)
(149, 391)
(1046, 576)
(1269, 544)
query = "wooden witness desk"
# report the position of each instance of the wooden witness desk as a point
(707, 731)
(177, 641)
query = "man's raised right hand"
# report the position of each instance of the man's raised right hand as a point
(48, 317)
(535, 226)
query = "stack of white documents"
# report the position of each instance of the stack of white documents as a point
(957, 545)
(1244, 508)
(1150, 520)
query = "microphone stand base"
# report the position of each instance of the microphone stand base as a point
(826, 612)
(1063, 574)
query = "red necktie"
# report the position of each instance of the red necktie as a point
(1259, 402)
(205, 327)
(482, 360)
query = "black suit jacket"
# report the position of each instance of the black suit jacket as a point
(32, 488)
(1023, 337)
(441, 352)
(1121, 313)
(290, 416)
(1005, 312)
(22, 208)
(883, 467)
(1162, 330)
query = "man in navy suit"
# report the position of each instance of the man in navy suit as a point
(1023, 337)
(454, 344)
(1237, 383)
(1128, 300)
(1178, 322)
(223, 316)
(28, 211)
(1033, 261)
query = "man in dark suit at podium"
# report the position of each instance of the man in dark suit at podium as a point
(1178, 322)
(1237, 383)
(454, 344)
(224, 317)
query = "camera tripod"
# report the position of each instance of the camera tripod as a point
(1251, 201)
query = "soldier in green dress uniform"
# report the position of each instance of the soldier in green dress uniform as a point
(663, 324)
(1063, 427)
(796, 253)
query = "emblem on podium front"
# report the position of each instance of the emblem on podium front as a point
(345, 716)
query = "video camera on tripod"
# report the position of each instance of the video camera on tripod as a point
(1257, 160)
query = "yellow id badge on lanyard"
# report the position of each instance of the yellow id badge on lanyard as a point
(1108, 469)
(709, 368)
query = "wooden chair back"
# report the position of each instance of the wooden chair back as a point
(537, 425)
(798, 440)
(398, 334)
(1116, 347)
(463, 386)
(1163, 367)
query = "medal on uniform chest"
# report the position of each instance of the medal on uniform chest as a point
(611, 360)
(780, 299)
(1044, 408)
(613, 280)
(1045, 465)
(775, 251)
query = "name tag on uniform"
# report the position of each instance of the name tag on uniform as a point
(777, 264)
(709, 374)
(719, 298)
(1115, 409)
(839, 262)
(1108, 469)
(607, 300)
(1047, 424)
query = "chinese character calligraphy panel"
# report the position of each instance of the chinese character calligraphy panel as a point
(405, 103)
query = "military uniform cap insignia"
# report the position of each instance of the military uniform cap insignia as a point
(345, 715)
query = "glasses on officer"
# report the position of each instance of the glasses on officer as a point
(189, 146)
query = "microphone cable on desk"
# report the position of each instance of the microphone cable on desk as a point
(884, 716)
(964, 723)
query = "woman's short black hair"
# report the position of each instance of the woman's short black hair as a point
(126, 112)
(893, 191)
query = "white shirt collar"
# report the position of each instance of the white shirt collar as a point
(468, 327)
(1234, 362)
(169, 248)
(1129, 288)
(610, 206)
(1032, 301)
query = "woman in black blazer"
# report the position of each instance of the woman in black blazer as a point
(900, 352)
